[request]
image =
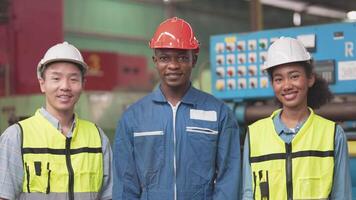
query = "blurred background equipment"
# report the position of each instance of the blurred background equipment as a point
(113, 36)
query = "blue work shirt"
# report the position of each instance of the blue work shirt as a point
(341, 189)
(188, 151)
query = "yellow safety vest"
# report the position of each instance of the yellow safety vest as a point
(58, 167)
(302, 169)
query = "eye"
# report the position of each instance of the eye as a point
(163, 59)
(294, 76)
(75, 79)
(183, 59)
(54, 78)
(277, 79)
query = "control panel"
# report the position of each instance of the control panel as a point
(237, 59)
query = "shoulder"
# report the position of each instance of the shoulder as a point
(88, 124)
(261, 122)
(340, 134)
(320, 118)
(104, 139)
(11, 136)
(206, 97)
(143, 102)
(206, 101)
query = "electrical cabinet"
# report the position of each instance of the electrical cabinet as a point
(237, 59)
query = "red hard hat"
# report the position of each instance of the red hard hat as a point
(174, 33)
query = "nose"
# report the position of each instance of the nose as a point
(287, 84)
(65, 85)
(173, 64)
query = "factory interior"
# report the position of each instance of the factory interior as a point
(234, 36)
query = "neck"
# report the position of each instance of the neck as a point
(65, 119)
(174, 95)
(291, 117)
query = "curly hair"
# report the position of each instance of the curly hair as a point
(318, 94)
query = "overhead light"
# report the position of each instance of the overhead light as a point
(325, 12)
(297, 6)
(297, 19)
(300, 7)
(351, 15)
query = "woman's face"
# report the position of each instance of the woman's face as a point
(290, 84)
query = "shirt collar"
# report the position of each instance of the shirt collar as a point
(55, 122)
(282, 128)
(190, 97)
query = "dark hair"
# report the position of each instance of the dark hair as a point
(318, 94)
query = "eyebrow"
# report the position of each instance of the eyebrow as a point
(59, 73)
(291, 72)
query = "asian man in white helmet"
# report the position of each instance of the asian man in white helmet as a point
(54, 154)
(295, 153)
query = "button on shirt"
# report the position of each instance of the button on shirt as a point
(342, 180)
(11, 167)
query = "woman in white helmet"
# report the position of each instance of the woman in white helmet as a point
(294, 153)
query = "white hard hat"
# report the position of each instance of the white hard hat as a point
(285, 50)
(62, 52)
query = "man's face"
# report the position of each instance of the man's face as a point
(62, 85)
(174, 67)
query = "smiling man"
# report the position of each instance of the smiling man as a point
(177, 143)
(54, 154)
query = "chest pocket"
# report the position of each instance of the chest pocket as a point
(37, 177)
(149, 153)
(202, 139)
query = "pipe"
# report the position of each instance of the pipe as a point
(256, 20)
(333, 111)
(106, 36)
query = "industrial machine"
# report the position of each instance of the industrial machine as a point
(237, 75)
(27, 30)
(237, 59)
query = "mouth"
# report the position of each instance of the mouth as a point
(290, 96)
(173, 76)
(64, 97)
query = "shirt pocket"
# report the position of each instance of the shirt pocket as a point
(202, 139)
(37, 176)
(266, 181)
(314, 183)
(149, 154)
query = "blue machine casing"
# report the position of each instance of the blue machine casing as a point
(236, 59)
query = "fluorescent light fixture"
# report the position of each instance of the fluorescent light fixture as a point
(300, 6)
(297, 6)
(325, 12)
(297, 19)
(351, 15)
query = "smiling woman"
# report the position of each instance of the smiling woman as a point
(309, 151)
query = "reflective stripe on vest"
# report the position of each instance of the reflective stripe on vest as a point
(302, 169)
(58, 196)
(59, 165)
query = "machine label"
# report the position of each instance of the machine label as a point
(349, 48)
(347, 70)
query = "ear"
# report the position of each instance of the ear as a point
(41, 81)
(154, 59)
(84, 81)
(311, 80)
(195, 59)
